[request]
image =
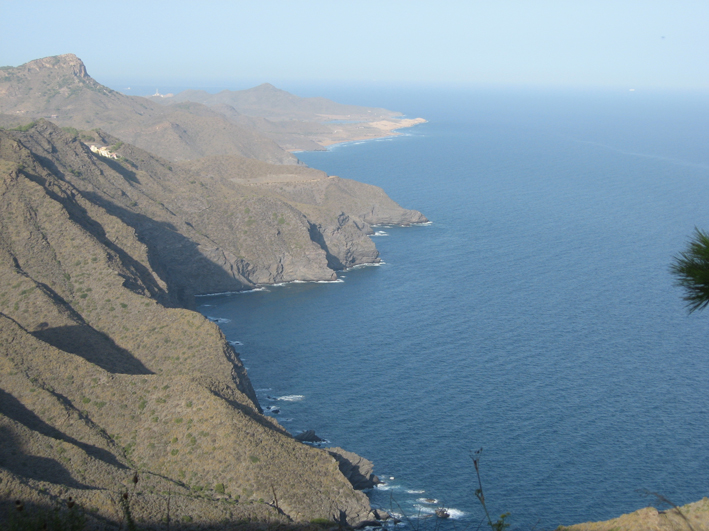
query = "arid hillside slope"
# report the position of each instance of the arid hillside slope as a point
(60, 89)
(223, 223)
(99, 377)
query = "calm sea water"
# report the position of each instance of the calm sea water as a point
(535, 318)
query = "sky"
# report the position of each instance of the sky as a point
(237, 44)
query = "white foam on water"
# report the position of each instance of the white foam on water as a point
(360, 266)
(338, 281)
(204, 305)
(218, 319)
(424, 224)
(415, 491)
(380, 233)
(317, 444)
(426, 500)
(235, 343)
(291, 398)
(229, 293)
(455, 514)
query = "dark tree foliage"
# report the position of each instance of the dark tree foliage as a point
(691, 268)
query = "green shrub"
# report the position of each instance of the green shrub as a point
(24, 128)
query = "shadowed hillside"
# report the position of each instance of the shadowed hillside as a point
(103, 372)
(223, 223)
(98, 377)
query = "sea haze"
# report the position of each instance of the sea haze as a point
(535, 317)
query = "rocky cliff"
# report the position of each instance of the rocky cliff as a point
(99, 377)
(224, 223)
(104, 373)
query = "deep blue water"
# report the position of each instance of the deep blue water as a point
(536, 317)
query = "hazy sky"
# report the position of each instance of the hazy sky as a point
(612, 43)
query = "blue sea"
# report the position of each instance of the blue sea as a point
(535, 317)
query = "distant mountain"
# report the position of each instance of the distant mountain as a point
(60, 89)
(295, 123)
(274, 104)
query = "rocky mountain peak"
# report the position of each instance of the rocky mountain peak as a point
(67, 61)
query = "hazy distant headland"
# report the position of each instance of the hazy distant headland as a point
(295, 123)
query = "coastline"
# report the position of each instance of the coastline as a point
(362, 131)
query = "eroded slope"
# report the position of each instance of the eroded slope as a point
(98, 378)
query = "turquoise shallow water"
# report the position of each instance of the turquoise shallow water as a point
(535, 317)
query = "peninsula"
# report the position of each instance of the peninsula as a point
(295, 123)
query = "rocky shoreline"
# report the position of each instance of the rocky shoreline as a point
(104, 374)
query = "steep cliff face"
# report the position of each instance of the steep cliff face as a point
(224, 223)
(99, 378)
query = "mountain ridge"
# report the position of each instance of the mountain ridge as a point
(59, 89)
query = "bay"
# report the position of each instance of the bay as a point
(535, 317)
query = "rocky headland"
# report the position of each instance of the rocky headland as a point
(295, 123)
(105, 372)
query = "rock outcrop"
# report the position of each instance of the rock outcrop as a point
(358, 470)
(690, 517)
